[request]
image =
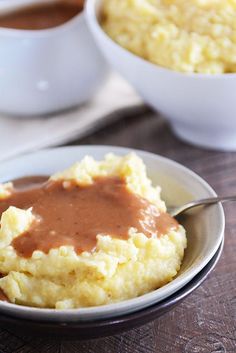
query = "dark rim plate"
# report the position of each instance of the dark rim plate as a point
(101, 328)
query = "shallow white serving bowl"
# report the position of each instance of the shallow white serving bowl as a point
(204, 229)
(43, 71)
(201, 108)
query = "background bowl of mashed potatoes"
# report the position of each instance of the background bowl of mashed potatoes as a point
(180, 56)
(204, 229)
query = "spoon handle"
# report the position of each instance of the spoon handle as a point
(174, 211)
(213, 200)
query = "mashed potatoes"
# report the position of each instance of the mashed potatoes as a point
(188, 36)
(116, 270)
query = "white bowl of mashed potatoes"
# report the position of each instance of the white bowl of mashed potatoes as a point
(114, 270)
(180, 56)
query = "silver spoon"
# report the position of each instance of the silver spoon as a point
(177, 210)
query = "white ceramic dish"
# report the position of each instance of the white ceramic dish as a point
(179, 184)
(201, 108)
(43, 71)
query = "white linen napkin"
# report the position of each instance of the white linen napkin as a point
(20, 135)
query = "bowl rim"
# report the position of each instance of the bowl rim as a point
(92, 313)
(95, 27)
(44, 32)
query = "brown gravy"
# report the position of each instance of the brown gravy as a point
(3, 297)
(76, 214)
(42, 16)
(30, 182)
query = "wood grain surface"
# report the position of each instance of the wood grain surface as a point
(206, 321)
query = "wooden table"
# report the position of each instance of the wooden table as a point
(206, 321)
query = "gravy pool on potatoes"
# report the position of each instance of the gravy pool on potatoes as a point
(74, 215)
(41, 16)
